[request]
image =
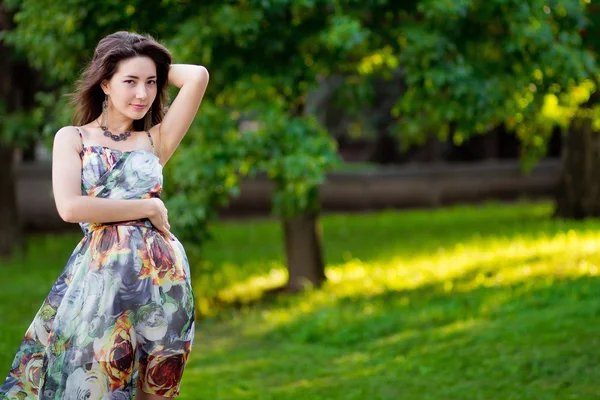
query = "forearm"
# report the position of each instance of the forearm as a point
(98, 210)
(180, 74)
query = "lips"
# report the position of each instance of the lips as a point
(138, 106)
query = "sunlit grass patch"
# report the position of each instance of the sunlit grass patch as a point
(493, 302)
(489, 302)
(462, 247)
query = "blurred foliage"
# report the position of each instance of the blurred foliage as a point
(468, 66)
(259, 76)
(202, 177)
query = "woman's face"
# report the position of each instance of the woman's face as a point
(132, 89)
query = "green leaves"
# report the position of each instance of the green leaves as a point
(201, 176)
(59, 37)
(295, 152)
(465, 66)
(237, 140)
(264, 58)
(493, 62)
(17, 127)
(344, 33)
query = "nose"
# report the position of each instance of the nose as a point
(141, 92)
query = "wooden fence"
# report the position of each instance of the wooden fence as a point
(424, 185)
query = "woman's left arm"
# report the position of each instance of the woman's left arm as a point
(191, 81)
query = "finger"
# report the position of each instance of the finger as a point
(170, 236)
(166, 233)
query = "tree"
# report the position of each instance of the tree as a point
(299, 150)
(472, 66)
(288, 145)
(467, 67)
(578, 195)
(17, 88)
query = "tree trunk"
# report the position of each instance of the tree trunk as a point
(429, 152)
(8, 205)
(489, 147)
(9, 224)
(386, 149)
(302, 236)
(578, 194)
(17, 88)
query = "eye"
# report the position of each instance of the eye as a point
(152, 82)
(129, 81)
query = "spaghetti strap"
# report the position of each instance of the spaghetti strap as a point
(151, 141)
(80, 135)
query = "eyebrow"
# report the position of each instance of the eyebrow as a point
(136, 77)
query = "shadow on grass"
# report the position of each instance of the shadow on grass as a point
(381, 236)
(534, 338)
(243, 253)
(378, 236)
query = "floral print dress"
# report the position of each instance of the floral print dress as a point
(121, 314)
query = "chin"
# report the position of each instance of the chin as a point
(135, 115)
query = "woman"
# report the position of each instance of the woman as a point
(121, 315)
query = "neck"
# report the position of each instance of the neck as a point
(115, 122)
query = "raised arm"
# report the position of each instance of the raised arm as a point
(72, 206)
(191, 81)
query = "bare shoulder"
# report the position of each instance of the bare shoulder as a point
(67, 137)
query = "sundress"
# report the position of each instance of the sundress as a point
(121, 314)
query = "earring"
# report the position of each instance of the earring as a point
(104, 111)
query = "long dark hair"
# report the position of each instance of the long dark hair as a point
(111, 50)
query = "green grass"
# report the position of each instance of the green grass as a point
(483, 302)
